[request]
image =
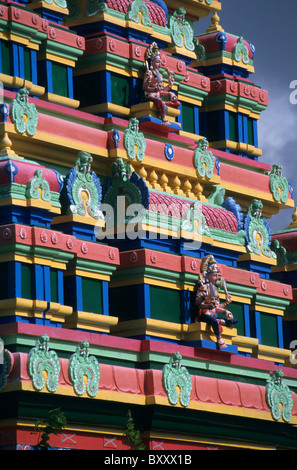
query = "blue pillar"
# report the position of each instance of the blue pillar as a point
(245, 130)
(15, 60)
(258, 326)
(144, 306)
(280, 331)
(14, 280)
(240, 128)
(196, 120)
(60, 287)
(47, 283)
(33, 55)
(70, 82)
(185, 306)
(255, 132)
(105, 298)
(73, 287)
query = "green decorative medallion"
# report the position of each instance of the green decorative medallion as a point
(174, 375)
(258, 234)
(133, 13)
(80, 365)
(240, 51)
(199, 49)
(132, 139)
(203, 159)
(278, 184)
(42, 359)
(276, 393)
(82, 192)
(19, 108)
(120, 170)
(36, 183)
(194, 220)
(5, 369)
(180, 28)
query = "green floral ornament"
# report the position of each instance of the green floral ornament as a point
(82, 192)
(258, 233)
(203, 159)
(240, 51)
(21, 107)
(80, 365)
(180, 28)
(278, 184)
(36, 183)
(174, 375)
(5, 369)
(133, 138)
(133, 13)
(276, 393)
(42, 359)
(120, 170)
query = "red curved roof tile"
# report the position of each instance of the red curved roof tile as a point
(216, 217)
(156, 13)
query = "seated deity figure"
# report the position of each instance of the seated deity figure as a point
(153, 84)
(208, 300)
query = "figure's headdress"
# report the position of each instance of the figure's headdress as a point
(209, 266)
(151, 52)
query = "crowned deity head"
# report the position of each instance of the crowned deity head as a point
(153, 58)
(210, 270)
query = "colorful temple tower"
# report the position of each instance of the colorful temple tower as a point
(138, 270)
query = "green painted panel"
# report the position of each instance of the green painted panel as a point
(5, 58)
(165, 304)
(238, 312)
(269, 335)
(92, 295)
(27, 64)
(250, 131)
(233, 132)
(54, 285)
(119, 90)
(60, 82)
(188, 118)
(26, 273)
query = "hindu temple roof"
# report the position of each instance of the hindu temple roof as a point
(156, 13)
(215, 217)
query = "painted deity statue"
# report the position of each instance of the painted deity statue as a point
(153, 84)
(208, 300)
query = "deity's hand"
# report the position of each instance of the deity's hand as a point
(228, 299)
(228, 315)
(172, 97)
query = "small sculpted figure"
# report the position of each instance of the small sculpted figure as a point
(208, 300)
(153, 84)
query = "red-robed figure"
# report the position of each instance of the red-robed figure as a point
(208, 300)
(153, 84)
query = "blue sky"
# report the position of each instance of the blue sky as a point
(270, 25)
